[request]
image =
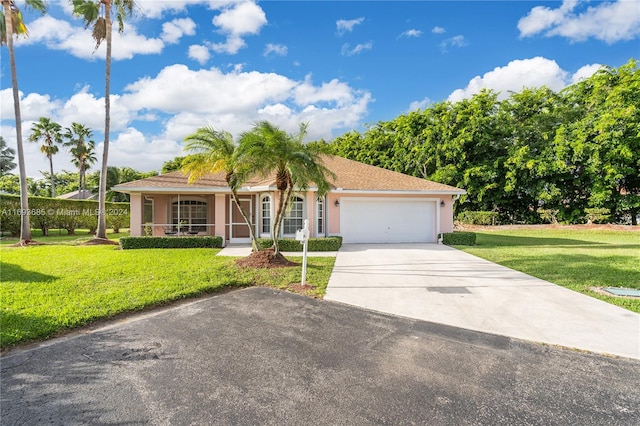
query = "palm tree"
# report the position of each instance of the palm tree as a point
(11, 24)
(50, 133)
(98, 13)
(82, 150)
(215, 151)
(267, 149)
(7, 155)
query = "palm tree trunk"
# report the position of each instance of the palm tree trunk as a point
(252, 234)
(102, 191)
(282, 208)
(53, 178)
(25, 223)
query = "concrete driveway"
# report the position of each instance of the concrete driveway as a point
(444, 285)
(264, 357)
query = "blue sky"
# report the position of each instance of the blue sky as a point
(180, 65)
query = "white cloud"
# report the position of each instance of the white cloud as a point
(411, 33)
(347, 25)
(358, 48)
(516, 75)
(155, 113)
(173, 31)
(276, 49)
(438, 30)
(58, 34)
(199, 53)
(236, 21)
(585, 72)
(416, 105)
(607, 21)
(456, 41)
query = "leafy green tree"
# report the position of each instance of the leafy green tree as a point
(173, 165)
(7, 155)
(50, 133)
(531, 168)
(98, 14)
(215, 151)
(11, 24)
(115, 176)
(268, 150)
(10, 184)
(82, 147)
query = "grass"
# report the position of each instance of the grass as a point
(47, 289)
(60, 236)
(576, 259)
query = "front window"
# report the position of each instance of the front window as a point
(190, 214)
(320, 215)
(266, 214)
(293, 220)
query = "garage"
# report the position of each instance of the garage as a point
(388, 220)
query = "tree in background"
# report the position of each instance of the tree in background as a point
(7, 155)
(173, 165)
(98, 15)
(50, 133)
(115, 176)
(82, 149)
(11, 24)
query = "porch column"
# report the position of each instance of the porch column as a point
(310, 198)
(135, 215)
(220, 217)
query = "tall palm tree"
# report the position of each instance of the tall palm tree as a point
(11, 24)
(7, 155)
(215, 151)
(98, 13)
(267, 149)
(50, 133)
(82, 147)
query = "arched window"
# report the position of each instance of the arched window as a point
(266, 214)
(293, 219)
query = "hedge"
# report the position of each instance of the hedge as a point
(315, 244)
(459, 238)
(478, 218)
(46, 213)
(130, 243)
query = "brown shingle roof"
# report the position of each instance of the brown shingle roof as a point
(350, 175)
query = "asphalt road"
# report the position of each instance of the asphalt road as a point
(259, 356)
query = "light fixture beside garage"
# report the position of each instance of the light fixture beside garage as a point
(442, 203)
(337, 203)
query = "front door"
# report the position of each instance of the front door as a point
(239, 229)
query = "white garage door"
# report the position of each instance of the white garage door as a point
(387, 220)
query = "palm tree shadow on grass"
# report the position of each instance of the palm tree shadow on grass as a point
(10, 272)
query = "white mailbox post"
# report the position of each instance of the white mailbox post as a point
(302, 235)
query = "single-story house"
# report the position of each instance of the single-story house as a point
(366, 204)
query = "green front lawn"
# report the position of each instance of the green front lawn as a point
(47, 289)
(574, 258)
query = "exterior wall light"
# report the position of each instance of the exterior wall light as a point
(337, 203)
(442, 203)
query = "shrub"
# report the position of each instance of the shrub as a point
(549, 215)
(315, 244)
(459, 238)
(478, 218)
(597, 215)
(130, 243)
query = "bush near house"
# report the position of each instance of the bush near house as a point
(130, 243)
(478, 218)
(315, 244)
(48, 213)
(459, 239)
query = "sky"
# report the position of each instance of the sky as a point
(339, 66)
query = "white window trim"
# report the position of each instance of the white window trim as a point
(271, 213)
(320, 206)
(304, 209)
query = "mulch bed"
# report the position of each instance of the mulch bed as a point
(100, 242)
(265, 259)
